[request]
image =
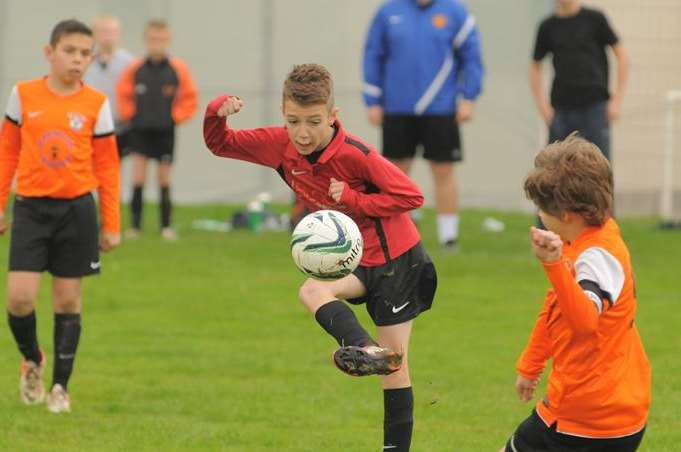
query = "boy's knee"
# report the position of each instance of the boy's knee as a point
(67, 303)
(308, 290)
(311, 292)
(20, 302)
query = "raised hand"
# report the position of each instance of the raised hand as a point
(231, 106)
(547, 245)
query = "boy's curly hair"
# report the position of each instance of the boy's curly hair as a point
(309, 84)
(572, 176)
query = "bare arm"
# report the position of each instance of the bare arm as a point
(537, 88)
(622, 57)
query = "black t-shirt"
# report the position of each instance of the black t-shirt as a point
(580, 63)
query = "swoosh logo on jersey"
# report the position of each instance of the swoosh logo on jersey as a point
(296, 172)
(398, 309)
(95, 265)
(33, 114)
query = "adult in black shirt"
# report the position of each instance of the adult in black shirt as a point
(577, 38)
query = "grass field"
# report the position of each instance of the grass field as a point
(202, 345)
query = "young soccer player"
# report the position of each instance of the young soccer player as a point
(58, 137)
(328, 168)
(599, 386)
(155, 94)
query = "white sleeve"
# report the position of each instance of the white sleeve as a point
(463, 33)
(13, 111)
(105, 124)
(601, 276)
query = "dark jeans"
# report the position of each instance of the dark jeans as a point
(591, 122)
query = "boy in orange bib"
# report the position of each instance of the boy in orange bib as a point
(599, 387)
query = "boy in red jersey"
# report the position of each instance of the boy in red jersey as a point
(58, 138)
(328, 168)
(599, 387)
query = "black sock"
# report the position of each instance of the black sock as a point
(166, 207)
(398, 418)
(136, 206)
(24, 331)
(66, 336)
(340, 322)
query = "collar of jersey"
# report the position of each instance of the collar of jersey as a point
(588, 233)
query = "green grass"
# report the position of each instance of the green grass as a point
(203, 345)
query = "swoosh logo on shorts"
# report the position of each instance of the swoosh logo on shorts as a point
(398, 309)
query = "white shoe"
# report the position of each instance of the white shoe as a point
(169, 234)
(58, 400)
(31, 382)
(132, 234)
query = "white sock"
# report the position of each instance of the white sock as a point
(447, 227)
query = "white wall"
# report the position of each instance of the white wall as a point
(246, 47)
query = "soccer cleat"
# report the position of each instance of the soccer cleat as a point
(58, 400)
(169, 234)
(31, 381)
(451, 246)
(367, 360)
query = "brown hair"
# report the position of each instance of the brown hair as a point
(158, 24)
(67, 27)
(309, 84)
(572, 176)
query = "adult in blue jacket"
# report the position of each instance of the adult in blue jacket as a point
(422, 74)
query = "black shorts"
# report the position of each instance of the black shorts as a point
(123, 141)
(57, 235)
(532, 435)
(439, 135)
(399, 290)
(154, 144)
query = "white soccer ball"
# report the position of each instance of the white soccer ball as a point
(327, 245)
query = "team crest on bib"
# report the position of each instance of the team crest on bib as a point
(56, 149)
(76, 121)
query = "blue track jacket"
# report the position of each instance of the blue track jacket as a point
(418, 60)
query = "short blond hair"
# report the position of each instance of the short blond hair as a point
(105, 18)
(157, 24)
(309, 84)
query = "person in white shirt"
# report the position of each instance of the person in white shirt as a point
(106, 68)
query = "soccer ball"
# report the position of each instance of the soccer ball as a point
(327, 245)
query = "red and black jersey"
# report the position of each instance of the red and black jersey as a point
(378, 195)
